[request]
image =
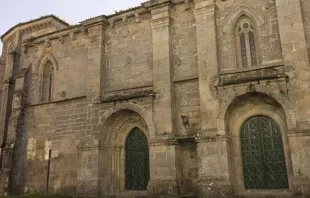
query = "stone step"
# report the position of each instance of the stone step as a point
(275, 194)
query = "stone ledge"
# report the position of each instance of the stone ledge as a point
(265, 193)
(185, 78)
(127, 95)
(55, 101)
(240, 70)
(244, 75)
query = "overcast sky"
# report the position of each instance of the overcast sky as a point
(72, 11)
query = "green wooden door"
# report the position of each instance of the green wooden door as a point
(262, 153)
(137, 161)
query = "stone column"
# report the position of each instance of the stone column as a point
(89, 148)
(11, 121)
(213, 173)
(162, 69)
(96, 36)
(163, 173)
(162, 154)
(208, 64)
(296, 60)
(295, 54)
(14, 153)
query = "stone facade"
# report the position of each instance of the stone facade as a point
(2, 67)
(188, 73)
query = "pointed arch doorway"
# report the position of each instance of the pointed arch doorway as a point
(263, 157)
(137, 171)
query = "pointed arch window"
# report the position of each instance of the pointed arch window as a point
(47, 85)
(246, 42)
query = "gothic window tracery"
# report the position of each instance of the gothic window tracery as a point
(246, 43)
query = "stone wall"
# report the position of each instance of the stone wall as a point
(57, 126)
(187, 104)
(2, 68)
(184, 43)
(169, 68)
(69, 58)
(306, 18)
(129, 54)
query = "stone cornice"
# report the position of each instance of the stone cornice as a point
(157, 23)
(59, 35)
(203, 8)
(163, 141)
(47, 38)
(95, 21)
(153, 4)
(161, 15)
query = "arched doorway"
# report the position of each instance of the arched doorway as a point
(262, 154)
(137, 171)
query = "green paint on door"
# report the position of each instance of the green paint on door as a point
(262, 153)
(137, 161)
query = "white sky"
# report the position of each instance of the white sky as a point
(72, 11)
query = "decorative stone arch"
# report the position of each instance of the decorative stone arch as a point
(241, 109)
(255, 15)
(115, 125)
(117, 136)
(146, 115)
(44, 59)
(277, 96)
(47, 57)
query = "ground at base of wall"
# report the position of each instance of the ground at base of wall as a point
(37, 196)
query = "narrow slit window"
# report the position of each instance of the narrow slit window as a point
(253, 48)
(243, 50)
(47, 82)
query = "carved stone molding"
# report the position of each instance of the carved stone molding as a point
(11, 38)
(36, 27)
(252, 74)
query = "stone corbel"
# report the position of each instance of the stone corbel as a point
(84, 31)
(187, 4)
(48, 42)
(161, 16)
(35, 47)
(125, 20)
(137, 16)
(112, 24)
(72, 36)
(203, 8)
(25, 49)
(61, 39)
